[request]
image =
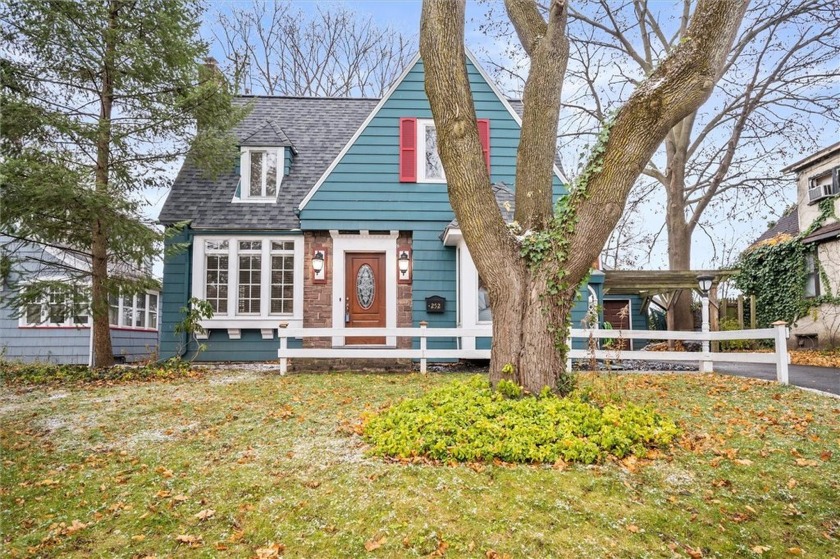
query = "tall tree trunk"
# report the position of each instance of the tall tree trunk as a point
(679, 316)
(532, 292)
(527, 326)
(103, 354)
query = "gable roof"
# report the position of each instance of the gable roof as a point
(515, 113)
(270, 135)
(506, 200)
(316, 127)
(319, 130)
(788, 224)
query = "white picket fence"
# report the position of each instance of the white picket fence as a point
(778, 333)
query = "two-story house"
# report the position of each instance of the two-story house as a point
(337, 215)
(816, 219)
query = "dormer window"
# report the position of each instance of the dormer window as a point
(261, 173)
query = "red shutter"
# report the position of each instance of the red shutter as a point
(484, 137)
(408, 150)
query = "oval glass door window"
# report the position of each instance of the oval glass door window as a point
(365, 286)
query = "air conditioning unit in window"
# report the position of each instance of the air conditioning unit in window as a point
(823, 186)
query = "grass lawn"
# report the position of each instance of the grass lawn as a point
(255, 465)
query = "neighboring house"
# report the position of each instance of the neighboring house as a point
(58, 328)
(337, 215)
(817, 188)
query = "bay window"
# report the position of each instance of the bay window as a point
(249, 281)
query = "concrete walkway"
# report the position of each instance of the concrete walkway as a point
(826, 379)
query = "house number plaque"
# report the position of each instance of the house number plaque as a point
(435, 304)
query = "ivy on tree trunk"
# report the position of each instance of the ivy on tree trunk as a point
(533, 284)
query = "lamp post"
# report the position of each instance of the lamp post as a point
(705, 283)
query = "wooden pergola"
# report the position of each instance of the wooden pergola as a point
(659, 286)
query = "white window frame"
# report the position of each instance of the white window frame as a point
(820, 188)
(264, 320)
(121, 314)
(245, 176)
(70, 323)
(422, 125)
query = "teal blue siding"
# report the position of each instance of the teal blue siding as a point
(175, 292)
(363, 190)
(250, 347)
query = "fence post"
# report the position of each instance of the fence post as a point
(284, 345)
(423, 325)
(782, 357)
(569, 353)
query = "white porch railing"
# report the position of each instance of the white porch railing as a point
(779, 334)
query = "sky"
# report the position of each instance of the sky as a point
(404, 16)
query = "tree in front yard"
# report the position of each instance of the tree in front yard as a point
(533, 267)
(99, 100)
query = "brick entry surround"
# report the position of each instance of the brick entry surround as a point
(317, 307)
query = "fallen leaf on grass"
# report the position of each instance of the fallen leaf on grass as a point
(164, 472)
(803, 462)
(825, 456)
(188, 539)
(632, 528)
(792, 483)
(743, 462)
(374, 543)
(759, 549)
(205, 514)
(271, 551)
(795, 551)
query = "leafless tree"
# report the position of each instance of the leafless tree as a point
(272, 48)
(533, 272)
(778, 96)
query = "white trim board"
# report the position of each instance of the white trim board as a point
(493, 87)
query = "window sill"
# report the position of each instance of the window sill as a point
(254, 201)
(54, 326)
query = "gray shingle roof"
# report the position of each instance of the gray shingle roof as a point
(787, 224)
(270, 135)
(504, 197)
(317, 127)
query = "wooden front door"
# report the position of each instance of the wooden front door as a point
(617, 313)
(364, 294)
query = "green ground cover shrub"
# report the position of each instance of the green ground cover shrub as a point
(50, 373)
(467, 421)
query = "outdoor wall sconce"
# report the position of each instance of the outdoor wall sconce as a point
(319, 274)
(404, 265)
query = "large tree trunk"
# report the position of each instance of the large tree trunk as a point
(103, 354)
(532, 293)
(529, 334)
